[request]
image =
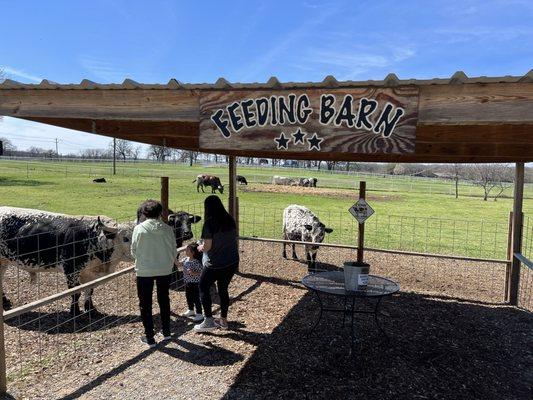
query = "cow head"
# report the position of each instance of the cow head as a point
(221, 188)
(315, 234)
(181, 223)
(115, 240)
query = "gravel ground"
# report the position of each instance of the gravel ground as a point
(451, 339)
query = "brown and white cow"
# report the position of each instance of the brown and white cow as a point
(208, 180)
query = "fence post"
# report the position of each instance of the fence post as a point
(3, 376)
(232, 185)
(361, 236)
(509, 256)
(517, 233)
(164, 197)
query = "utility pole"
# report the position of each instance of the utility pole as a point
(114, 156)
(57, 150)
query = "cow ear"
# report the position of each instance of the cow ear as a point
(328, 230)
(193, 219)
(308, 227)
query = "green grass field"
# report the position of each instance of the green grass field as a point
(410, 214)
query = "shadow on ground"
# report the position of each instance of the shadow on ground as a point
(21, 182)
(438, 350)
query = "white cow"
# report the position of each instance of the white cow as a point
(300, 224)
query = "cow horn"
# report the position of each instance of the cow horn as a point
(106, 228)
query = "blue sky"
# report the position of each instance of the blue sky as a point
(250, 41)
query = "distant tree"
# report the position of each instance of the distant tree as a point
(136, 152)
(457, 169)
(159, 153)
(8, 146)
(95, 153)
(399, 169)
(124, 148)
(491, 176)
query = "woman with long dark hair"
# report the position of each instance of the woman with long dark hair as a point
(220, 260)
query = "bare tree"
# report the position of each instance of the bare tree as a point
(95, 153)
(124, 148)
(457, 169)
(8, 146)
(159, 153)
(491, 176)
(135, 152)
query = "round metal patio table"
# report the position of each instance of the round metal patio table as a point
(332, 283)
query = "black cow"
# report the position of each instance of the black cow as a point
(84, 248)
(242, 180)
(99, 180)
(208, 180)
(300, 224)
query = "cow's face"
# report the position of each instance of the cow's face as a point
(221, 188)
(115, 241)
(181, 223)
(315, 234)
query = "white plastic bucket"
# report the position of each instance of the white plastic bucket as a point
(355, 275)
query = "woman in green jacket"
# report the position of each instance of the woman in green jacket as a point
(154, 249)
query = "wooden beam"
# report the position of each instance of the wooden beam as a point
(164, 197)
(517, 233)
(112, 104)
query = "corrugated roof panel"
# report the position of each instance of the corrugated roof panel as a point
(390, 80)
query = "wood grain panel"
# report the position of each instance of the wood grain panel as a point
(337, 139)
(471, 104)
(158, 105)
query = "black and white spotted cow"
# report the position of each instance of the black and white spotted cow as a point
(300, 224)
(180, 221)
(83, 247)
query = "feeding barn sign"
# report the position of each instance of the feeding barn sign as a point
(315, 120)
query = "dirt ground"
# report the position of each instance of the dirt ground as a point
(329, 192)
(450, 339)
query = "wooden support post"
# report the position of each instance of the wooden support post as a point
(164, 197)
(3, 373)
(517, 232)
(509, 257)
(232, 185)
(361, 237)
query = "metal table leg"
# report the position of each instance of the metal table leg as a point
(376, 312)
(320, 314)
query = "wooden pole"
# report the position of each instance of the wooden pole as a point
(114, 156)
(3, 374)
(361, 237)
(509, 257)
(164, 197)
(517, 232)
(232, 185)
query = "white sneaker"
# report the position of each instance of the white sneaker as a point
(150, 343)
(207, 326)
(198, 318)
(188, 313)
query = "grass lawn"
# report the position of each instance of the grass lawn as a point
(407, 216)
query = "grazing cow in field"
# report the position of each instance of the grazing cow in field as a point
(180, 222)
(83, 247)
(242, 180)
(208, 180)
(282, 180)
(313, 182)
(99, 180)
(307, 182)
(300, 224)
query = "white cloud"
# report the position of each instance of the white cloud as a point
(103, 70)
(17, 73)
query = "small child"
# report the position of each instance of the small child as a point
(192, 269)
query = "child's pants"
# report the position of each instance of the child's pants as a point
(192, 293)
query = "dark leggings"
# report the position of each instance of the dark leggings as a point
(145, 287)
(222, 276)
(192, 293)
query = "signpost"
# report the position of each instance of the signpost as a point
(361, 211)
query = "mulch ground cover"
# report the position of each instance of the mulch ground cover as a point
(450, 339)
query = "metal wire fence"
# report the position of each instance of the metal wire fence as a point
(525, 293)
(326, 179)
(479, 239)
